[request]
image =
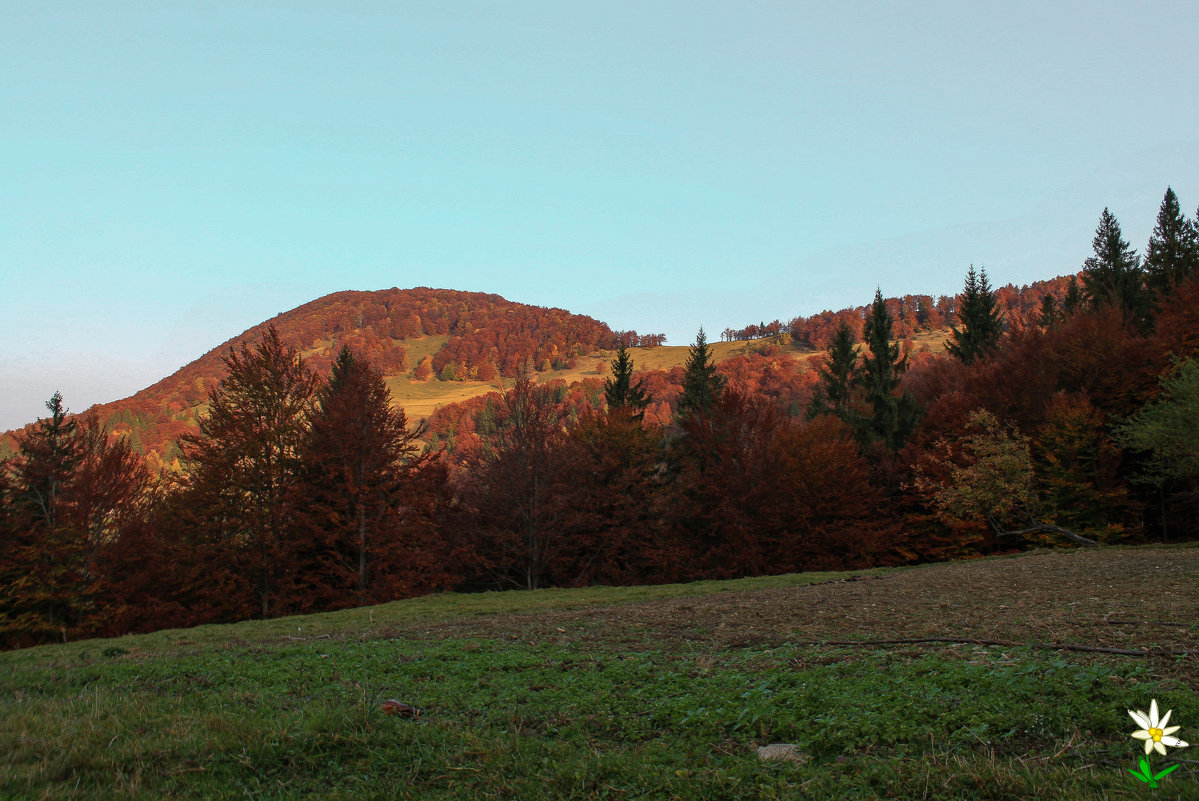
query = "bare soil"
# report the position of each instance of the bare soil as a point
(1143, 598)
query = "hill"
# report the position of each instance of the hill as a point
(987, 679)
(462, 342)
(441, 347)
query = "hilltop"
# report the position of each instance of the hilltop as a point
(435, 345)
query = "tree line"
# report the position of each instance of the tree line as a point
(302, 492)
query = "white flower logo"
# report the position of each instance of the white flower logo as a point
(1153, 730)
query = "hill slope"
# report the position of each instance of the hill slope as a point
(439, 347)
(460, 336)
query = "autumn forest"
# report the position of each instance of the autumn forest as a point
(278, 475)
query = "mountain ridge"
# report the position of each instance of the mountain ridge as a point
(438, 346)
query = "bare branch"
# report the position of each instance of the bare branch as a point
(1008, 644)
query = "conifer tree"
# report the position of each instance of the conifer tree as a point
(1173, 252)
(357, 457)
(1049, 315)
(981, 318)
(893, 415)
(1113, 276)
(620, 391)
(702, 384)
(835, 391)
(38, 591)
(1072, 300)
(70, 492)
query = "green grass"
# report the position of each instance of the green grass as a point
(246, 712)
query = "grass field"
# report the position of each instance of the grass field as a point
(651, 692)
(421, 398)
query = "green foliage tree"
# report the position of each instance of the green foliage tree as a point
(1167, 428)
(243, 466)
(893, 413)
(981, 319)
(1173, 252)
(1166, 431)
(834, 395)
(702, 384)
(1113, 275)
(620, 391)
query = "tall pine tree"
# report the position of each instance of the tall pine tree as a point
(702, 384)
(1173, 252)
(70, 492)
(1050, 315)
(835, 391)
(356, 497)
(621, 393)
(893, 414)
(981, 319)
(1113, 276)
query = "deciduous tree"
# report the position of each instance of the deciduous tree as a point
(509, 481)
(243, 466)
(993, 483)
(72, 490)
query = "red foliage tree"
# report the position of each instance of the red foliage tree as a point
(70, 490)
(243, 466)
(364, 532)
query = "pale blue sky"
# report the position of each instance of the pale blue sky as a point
(173, 173)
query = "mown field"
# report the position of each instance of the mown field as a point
(881, 679)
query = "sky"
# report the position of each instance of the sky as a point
(172, 174)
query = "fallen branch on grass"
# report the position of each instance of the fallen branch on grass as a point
(1147, 623)
(1009, 644)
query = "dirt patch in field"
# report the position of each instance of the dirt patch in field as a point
(1142, 598)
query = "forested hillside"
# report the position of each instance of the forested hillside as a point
(477, 336)
(1059, 415)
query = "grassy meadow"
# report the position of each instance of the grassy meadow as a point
(648, 692)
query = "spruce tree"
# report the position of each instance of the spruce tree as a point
(702, 385)
(894, 415)
(357, 459)
(1173, 252)
(1072, 300)
(1113, 276)
(835, 391)
(49, 455)
(620, 391)
(981, 318)
(1050, 315)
